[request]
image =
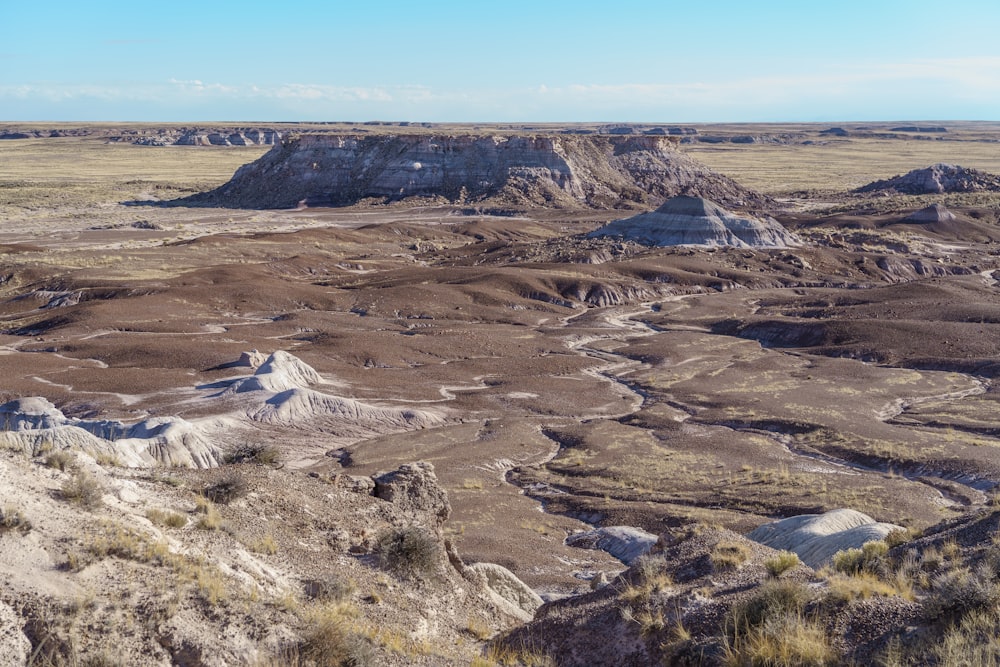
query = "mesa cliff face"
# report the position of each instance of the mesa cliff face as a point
(551, 171)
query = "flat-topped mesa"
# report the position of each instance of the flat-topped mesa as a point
(555, 171)
(697, 221)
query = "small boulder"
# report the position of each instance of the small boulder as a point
(414, 487)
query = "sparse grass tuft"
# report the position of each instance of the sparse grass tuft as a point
(166, 518)
(61, 460)
(84, 490)
(265, 545)
(12, 518)
(410, 552)
(210, 517)
(784, 561)
(770, 628)
(729, 555)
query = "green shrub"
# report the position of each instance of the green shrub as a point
(411, 552)
(781, 563)
(871, 557)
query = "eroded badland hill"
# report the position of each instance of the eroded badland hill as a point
(499, 395)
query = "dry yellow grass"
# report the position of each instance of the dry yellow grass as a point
(839, 165)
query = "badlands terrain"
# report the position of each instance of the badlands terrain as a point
(393, 393)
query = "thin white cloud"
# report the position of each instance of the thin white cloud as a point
(916, 87)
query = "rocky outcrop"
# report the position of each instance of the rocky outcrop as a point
(199, 137)
(558, 171)
(696, 221)
(505, 590)
(936, 179)
(414, 487)
(815, 538)
(15, 648)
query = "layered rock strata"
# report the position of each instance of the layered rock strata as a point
(696, 221)
(558, 171)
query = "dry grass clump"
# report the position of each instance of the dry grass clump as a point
(411, 552)
(784, 561)
(974, 642)
(729, 555)
(329, 642)
(649, 578)
(166, 518)
(210, 517)
(771, 628)
(265, 545)
(231, 487)
(83, 489)
(12, 518)
(61, 460)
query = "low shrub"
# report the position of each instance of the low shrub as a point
(330, 589)
(256, 453)
(959, 591)
(229, 488)
(411, 552)
(871, 557)
(83, 489)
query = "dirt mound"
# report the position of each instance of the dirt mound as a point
(932, 213)
(685, 220)
(815, 538)
(936, 179)
(599, 171)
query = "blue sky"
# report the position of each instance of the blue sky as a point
(552, 61)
